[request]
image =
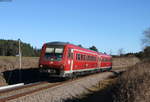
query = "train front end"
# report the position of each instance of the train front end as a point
(52, 59)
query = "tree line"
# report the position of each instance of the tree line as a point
(10, 48)
(145, 53)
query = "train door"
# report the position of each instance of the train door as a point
(99, 62)
(70, 59)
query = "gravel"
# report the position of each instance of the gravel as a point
(65, 91)
(15, 92)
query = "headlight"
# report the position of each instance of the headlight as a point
(41, 66)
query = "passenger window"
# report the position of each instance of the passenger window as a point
(78, 56)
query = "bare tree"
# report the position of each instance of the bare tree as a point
(146, 39)
(121, 51)
(110, 52)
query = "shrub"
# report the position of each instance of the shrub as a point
(133, 85)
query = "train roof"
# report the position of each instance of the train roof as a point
(57, 43)
(65, 43)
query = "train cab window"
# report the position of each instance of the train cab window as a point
(58, 50)
(49, 50)
(54, 53)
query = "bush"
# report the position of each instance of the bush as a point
(133, 85)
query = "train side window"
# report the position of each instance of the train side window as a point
(86, 57)
(107, 60)
(94, 58)
(111, 60)
(78, 56)
(90, 58)
(82, 57)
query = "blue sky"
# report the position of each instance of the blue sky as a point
(107, 24)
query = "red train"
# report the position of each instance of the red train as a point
(67, 60)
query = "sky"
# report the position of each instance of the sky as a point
(107, 24)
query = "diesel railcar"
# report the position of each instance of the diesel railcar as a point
(66, 60)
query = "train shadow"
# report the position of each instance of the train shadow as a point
(28, 76)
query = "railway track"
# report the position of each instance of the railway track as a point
(14, 93)
(10, 94)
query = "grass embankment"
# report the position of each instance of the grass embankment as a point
(9, 64)
(12, 63)
(133, 85)
(123, 62)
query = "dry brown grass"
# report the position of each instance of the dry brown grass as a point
(120, 62)
(11, 63)
(102, 85)
(2, 80)
(134, 85)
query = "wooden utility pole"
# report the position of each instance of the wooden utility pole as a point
(20, 53)
(20, 61)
